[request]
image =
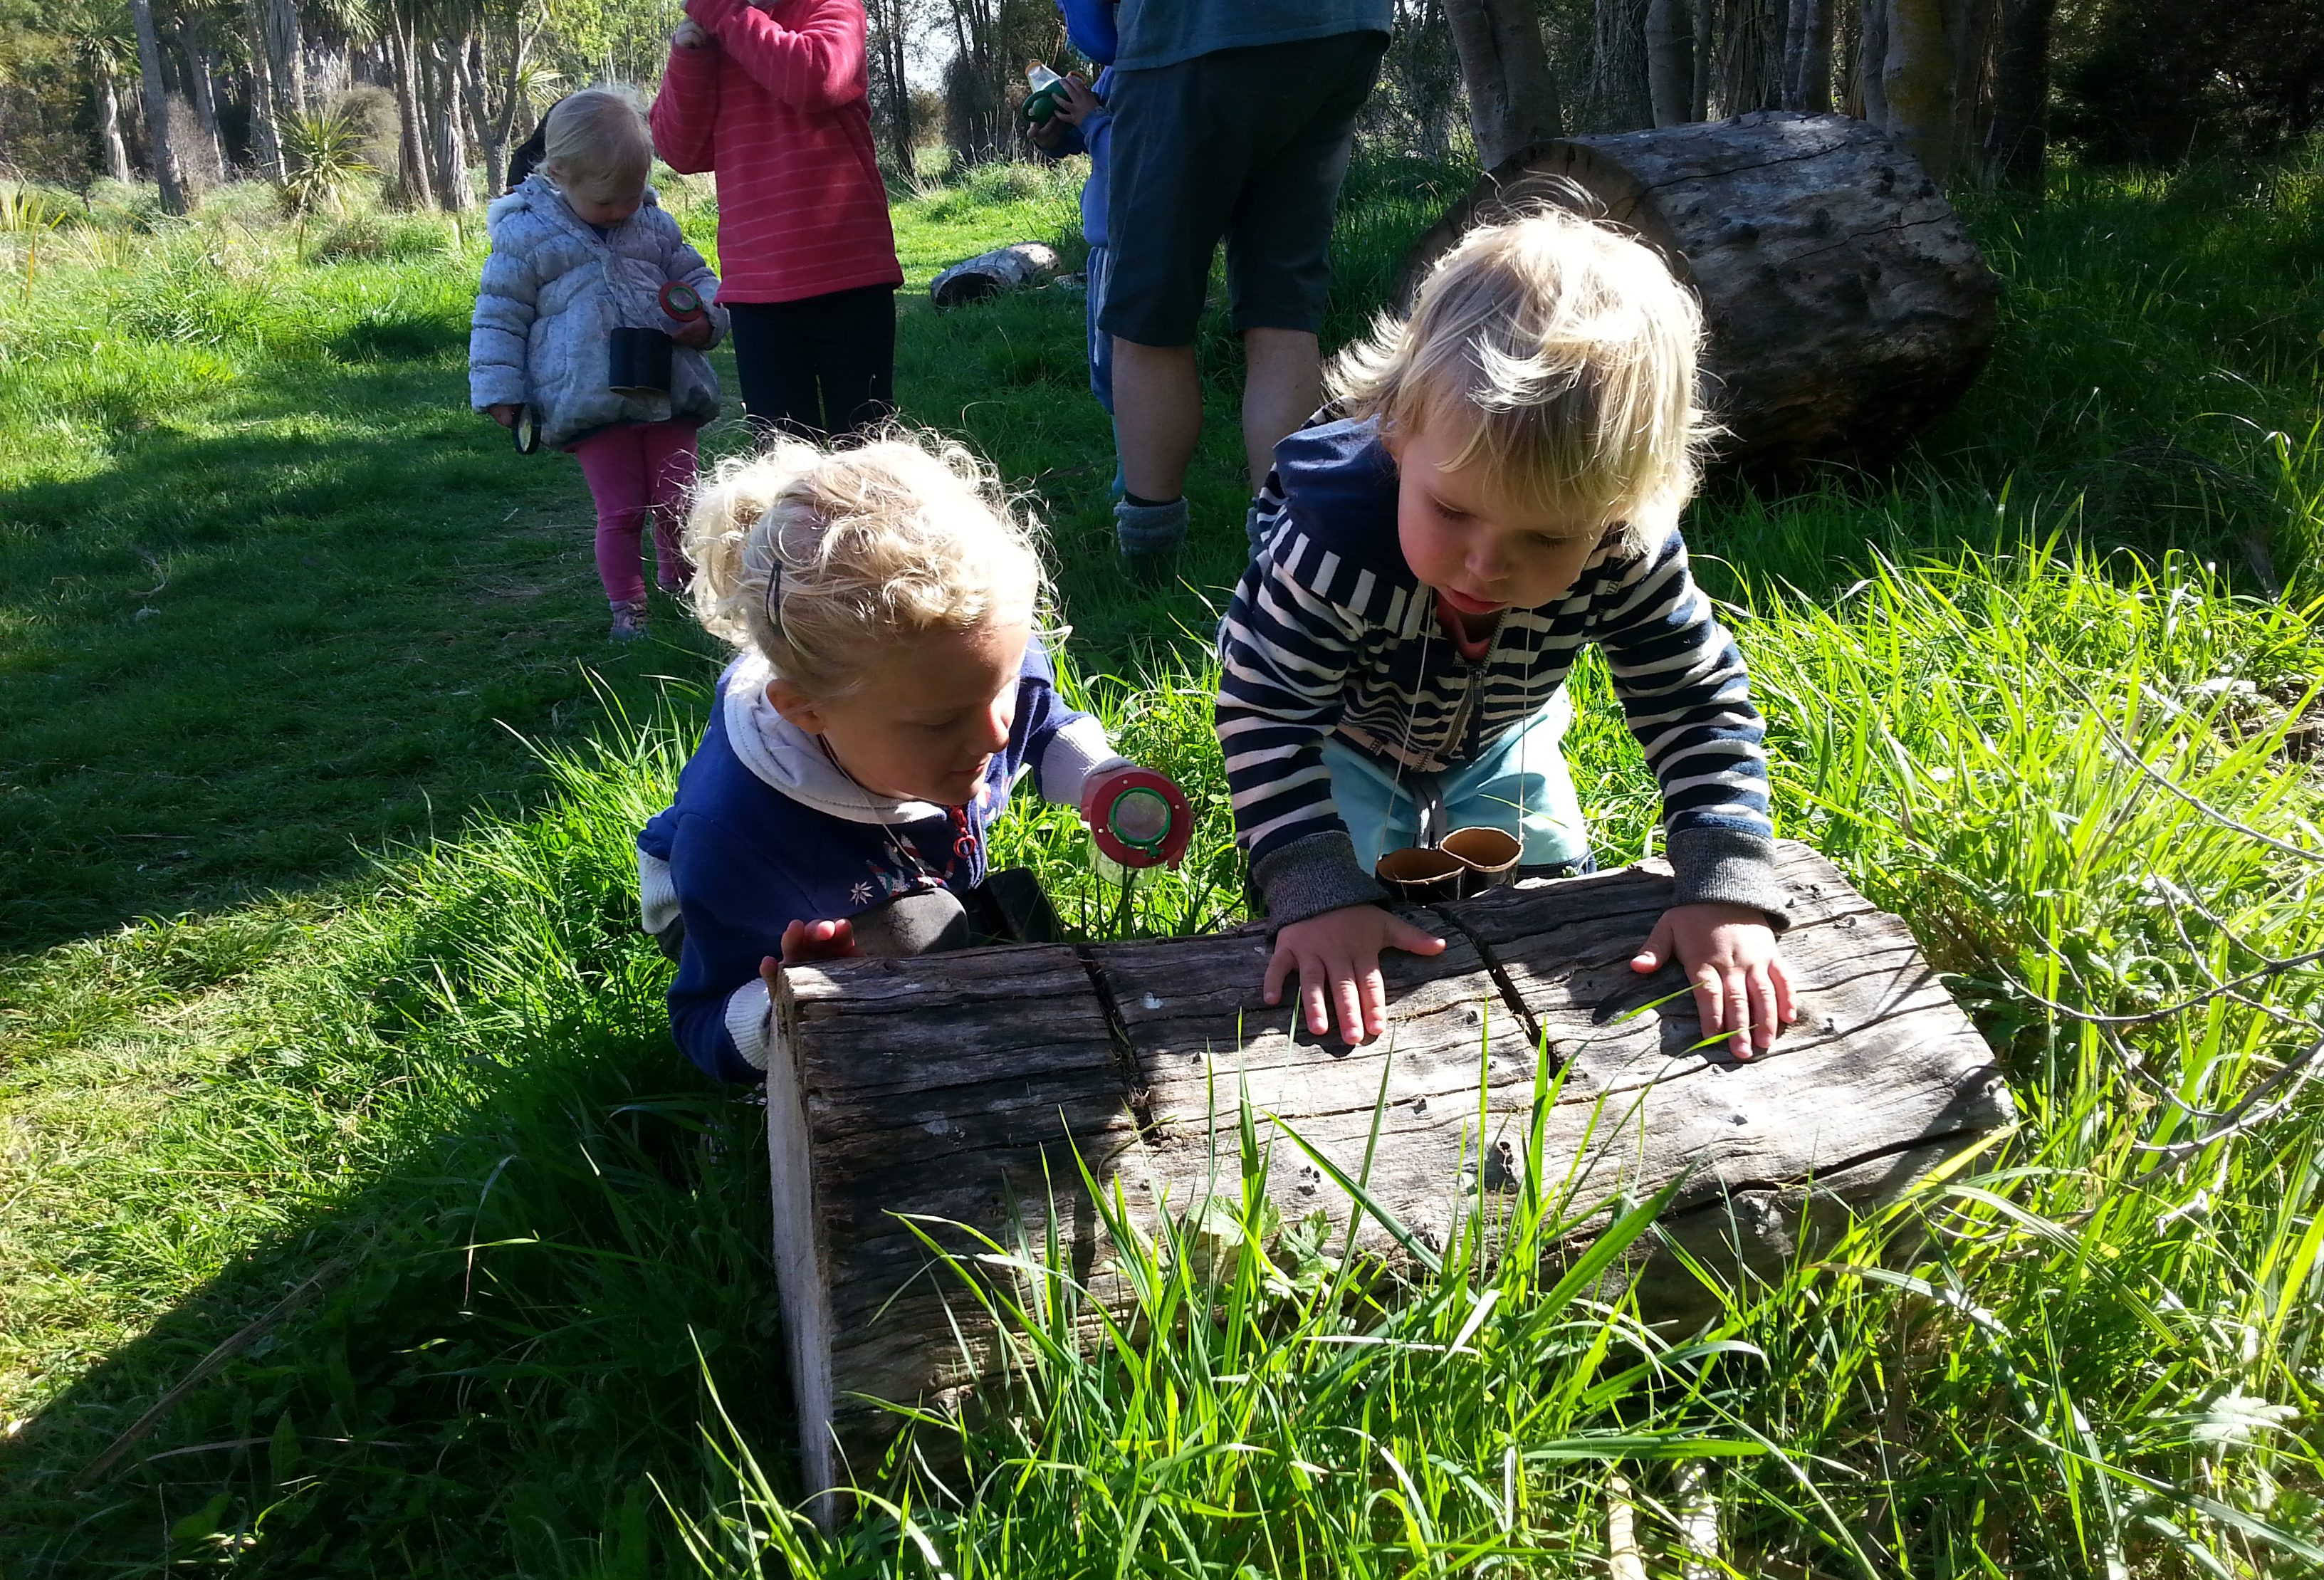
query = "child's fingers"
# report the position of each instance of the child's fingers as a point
(1351, 1006)
(1786, 1009)
(1314, 998)
(1735, 993)
(1412, 941)
(1375, 994)
(1763, 1021)
(1278, 967)
(793, 941)
(1709, 999)
(1656, 948)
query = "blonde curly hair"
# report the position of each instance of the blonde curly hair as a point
(1563, 354)
(867, 548)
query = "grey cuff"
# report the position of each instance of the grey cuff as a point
(1727, 866)
(1313, 875)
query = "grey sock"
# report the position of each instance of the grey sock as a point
(1151, 535)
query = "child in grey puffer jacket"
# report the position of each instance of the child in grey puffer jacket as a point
(579, 250)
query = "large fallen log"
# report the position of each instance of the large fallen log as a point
(958, 1087)
(1847, 306)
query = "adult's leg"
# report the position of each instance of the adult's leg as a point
(1279, 266)
(1282, 386)
(668, 452)
(855, 357)
(1179, 155)
(615, 465)
(774, 360)
(1157, 416)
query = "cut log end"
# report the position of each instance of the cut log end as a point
(1847, 306)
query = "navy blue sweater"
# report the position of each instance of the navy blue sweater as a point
(767, 830)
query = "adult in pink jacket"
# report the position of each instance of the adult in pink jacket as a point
(772, 99)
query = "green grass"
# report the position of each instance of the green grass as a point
(398, 1029)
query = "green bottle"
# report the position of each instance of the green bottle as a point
(1048, 95)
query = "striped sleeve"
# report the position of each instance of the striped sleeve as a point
(1285, 652)
(1687, 698)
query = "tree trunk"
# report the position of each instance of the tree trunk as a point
(446, 144)
(1018, 266)
(1916, 79)
(265, 104)
(411, 152)
(1871, 61)
(2018, 138)
(1969, 28)
(203, 91)
(1807, 57)
(108, 123)
(1847, 306)
(155, 92)
(1669, 61)
(1618, 100)
(968, 1091)
(1504, 65)
(490, 145)
(1705, 26)
(286, 48)
(887, 43)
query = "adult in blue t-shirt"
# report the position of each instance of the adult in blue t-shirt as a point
(1233, 119)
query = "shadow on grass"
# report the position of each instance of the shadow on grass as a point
(303, 618)
(481, 1363)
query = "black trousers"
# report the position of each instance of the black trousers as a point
(819, 367)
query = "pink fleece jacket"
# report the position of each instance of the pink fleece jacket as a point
(777, 108)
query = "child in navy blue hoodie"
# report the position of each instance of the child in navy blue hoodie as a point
(889, 691)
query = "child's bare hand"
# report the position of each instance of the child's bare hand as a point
(817, 940)
(1336, 956)
(696, 332)
(1729, 952)
(1078, 103)
(691, 35)
(504, 412)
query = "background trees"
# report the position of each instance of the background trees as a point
(185, 92)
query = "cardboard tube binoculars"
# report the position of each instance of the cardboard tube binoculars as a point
(637, 362)
(1139, 817)
(1468, 862)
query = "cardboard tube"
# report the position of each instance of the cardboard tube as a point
(1487, 857)
(1421, 875)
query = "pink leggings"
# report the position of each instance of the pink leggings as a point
(631, 469)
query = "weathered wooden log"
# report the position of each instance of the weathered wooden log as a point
(959, 1087)
(1847, 306)
(1015, 267)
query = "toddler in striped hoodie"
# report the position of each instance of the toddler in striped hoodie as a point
(1497, 482)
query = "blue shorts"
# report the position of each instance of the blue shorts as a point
(1519, 784)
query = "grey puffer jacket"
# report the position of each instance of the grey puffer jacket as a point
(552, 294)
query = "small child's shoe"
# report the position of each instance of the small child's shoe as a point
(628, 620)
(1150, 537)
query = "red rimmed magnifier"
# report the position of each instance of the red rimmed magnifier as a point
(1139, 817)
(681, 302)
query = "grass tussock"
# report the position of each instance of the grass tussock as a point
(402, 1121)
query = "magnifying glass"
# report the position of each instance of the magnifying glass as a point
(681, 302)
(1139, 817)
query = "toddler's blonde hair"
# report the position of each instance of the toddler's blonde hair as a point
(598, 146)
(868, 549)
(1562, 355)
